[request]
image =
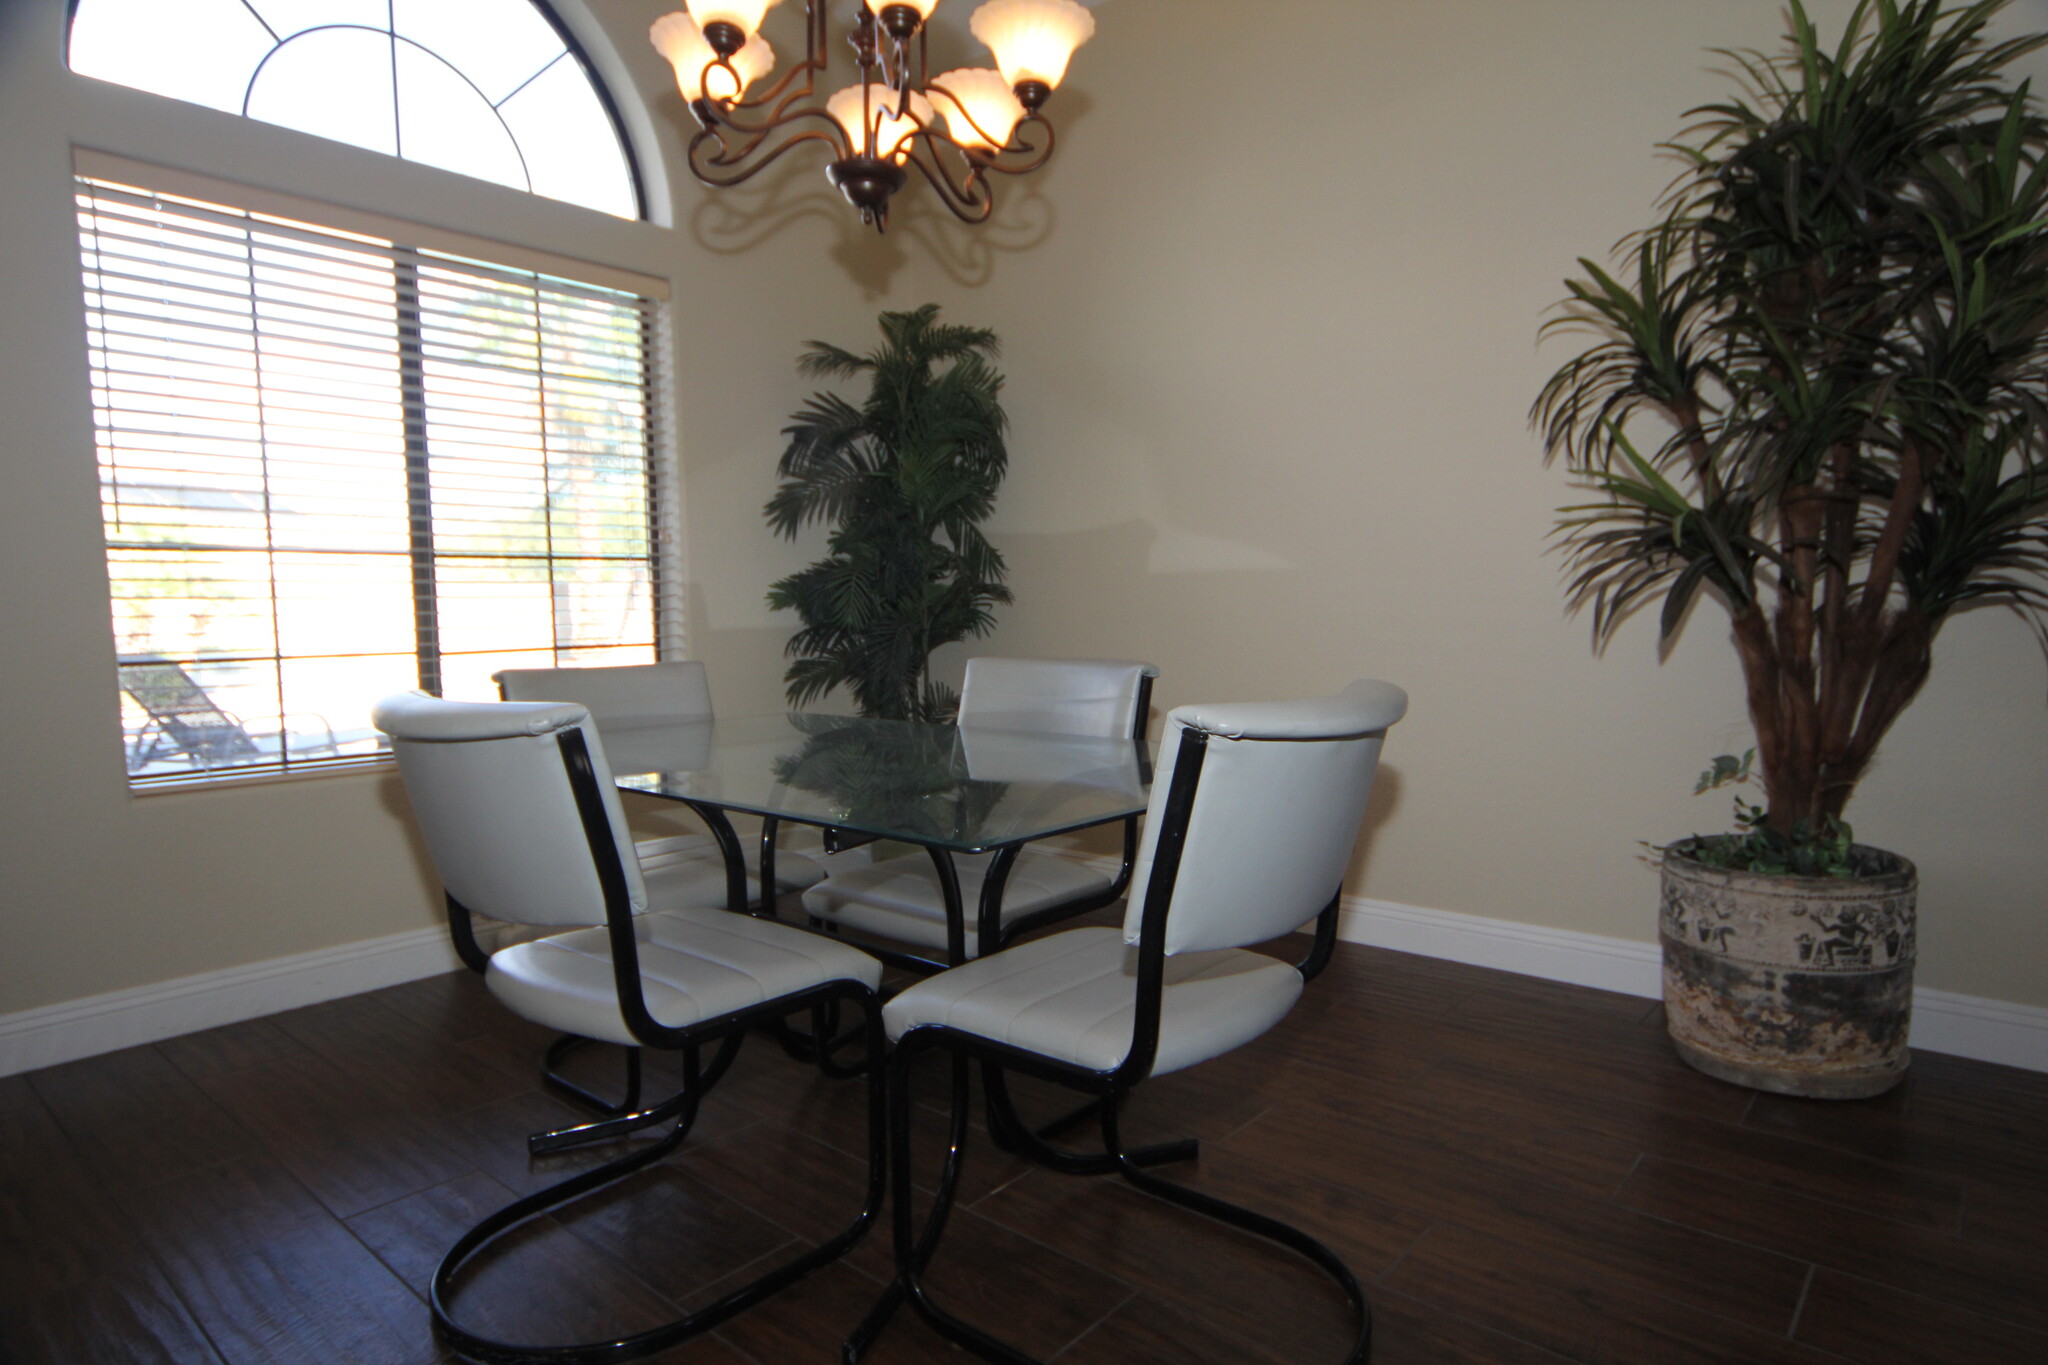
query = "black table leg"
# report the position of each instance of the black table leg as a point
(728, 845)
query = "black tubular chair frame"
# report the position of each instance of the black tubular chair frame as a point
(914, 1249)
(727, 1031)
(462, 931)
(551, 1075)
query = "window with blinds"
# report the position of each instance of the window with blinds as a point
(335, 466)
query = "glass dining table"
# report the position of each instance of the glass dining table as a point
(949, 789)
(946, 788)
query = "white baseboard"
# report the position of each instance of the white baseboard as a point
(146, 1014)
(1943, 1021)
(1985, 1030)
(1608, 964)
(1962, 1025)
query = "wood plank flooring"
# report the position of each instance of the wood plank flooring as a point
(1520, 1172)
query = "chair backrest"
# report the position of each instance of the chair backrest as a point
(1102, 697)
(1278, 801)
(493, 799)
(993, 755)
(182, 709)
(622, 694)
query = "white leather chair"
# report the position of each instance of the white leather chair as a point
(1249, 832)
(685, 865)
(680, 869)
(900, 898)
(516, 805)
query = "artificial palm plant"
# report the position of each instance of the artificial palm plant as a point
(1817, 390)
(904, 480)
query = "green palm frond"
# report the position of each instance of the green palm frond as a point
(1983, 536)
(826, 361)
(903, 479)
(1817, 386)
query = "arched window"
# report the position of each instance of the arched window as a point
(489, 88)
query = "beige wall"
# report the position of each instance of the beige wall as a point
(1269, 367)
(1269, 379)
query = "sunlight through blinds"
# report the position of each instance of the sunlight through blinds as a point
(335, 466)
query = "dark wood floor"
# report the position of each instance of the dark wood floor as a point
(1518, 1171)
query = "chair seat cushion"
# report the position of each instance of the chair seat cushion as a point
(670, 844)
(899, 898)
(679, 873)
(1071, 997)
(696, 965)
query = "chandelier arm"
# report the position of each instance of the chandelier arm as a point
(960, 107)
(1033, 157)
(891, 61)
(906, 142)
(794, 84)
(719, 171)
(971, 201)
(727, 154)
(753, 133)
(780, 95)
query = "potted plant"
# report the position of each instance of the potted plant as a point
(904, 480)
(1816, 394)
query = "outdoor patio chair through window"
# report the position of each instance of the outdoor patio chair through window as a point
(186, 724)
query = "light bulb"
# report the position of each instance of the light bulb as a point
(891, 133)
(744, 15)
(1032, 39)
(924, 8)
(677, 37)
(980, 108)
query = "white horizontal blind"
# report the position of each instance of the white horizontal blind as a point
(334, 466)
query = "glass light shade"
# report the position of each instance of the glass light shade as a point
(677, 37)
(980, 108)
(1032, 39)
(745, 15)
(889, 129)
(924, 8)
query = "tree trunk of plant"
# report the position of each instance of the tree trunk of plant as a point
(1819, 722)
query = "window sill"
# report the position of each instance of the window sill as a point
(203, 780)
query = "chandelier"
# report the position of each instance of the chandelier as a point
(958, 128)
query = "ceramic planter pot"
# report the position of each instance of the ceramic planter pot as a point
(1799, 985)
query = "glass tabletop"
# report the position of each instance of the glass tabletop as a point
(965, 788)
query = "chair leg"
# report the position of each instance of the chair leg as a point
(1272, 1229)
(519, 1211)
(821, 1043)
(704, 1319)
(623, 1120)
(1012, 1134)
(828, 1040)
(607, 1130)
(553, 1079)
